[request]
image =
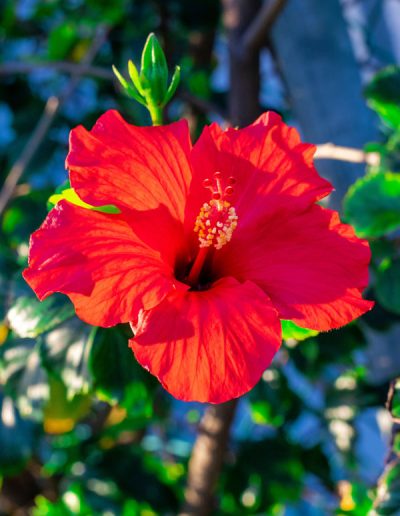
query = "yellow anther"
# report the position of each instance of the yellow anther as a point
(215, 223)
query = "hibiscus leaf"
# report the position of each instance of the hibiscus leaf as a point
(290, 330)
(16, 438)
(61, 412)
(372, 205)
(388, 285)
(71, 502)
(61, 40)
(28, 317)
(383, 95)
(117, 376)
(23, 376)
(64, 353)
(71, 196)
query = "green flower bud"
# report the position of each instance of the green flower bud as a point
(154, 71)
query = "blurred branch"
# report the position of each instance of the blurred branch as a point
(51, 109)
(60, 66)
(256, 34)
(349, 154)
(244, 67)
(207, 458)
(387, 487)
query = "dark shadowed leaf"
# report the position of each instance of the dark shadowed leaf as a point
(383, 95)
(388, 286)
(16, 438)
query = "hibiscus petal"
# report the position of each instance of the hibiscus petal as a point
(131, 167)
(98, 260)
(273, 169)
(311, 266)
(209, 346)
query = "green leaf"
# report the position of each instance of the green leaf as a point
(383, 95)
(23, 376)
(28, 317)
(16, 438)
(290, 330)
(387, 286)
(64, 353)
(71, 503)
(372, 204)
(61, 40)
(263, 413)
(114, 368)
(61, 412)
(71, 196)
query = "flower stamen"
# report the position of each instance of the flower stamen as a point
(217, 218)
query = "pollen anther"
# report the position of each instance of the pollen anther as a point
(217, 219)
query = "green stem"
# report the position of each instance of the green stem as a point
(156, 114)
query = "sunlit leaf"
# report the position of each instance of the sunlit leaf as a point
(29, 317)
(61, 413)
(24, 378)
(290, 330)
(65, 352)
(372, 204)
(71, 196)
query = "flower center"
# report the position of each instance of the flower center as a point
(214, 224)
(217, 219)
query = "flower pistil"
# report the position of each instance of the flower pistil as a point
(215, 222)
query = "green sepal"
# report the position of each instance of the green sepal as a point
(134, 75)
(129, 90)
(173, 85)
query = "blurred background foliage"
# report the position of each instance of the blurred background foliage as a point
(83, 428)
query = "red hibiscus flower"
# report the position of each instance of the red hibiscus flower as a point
(212, 246)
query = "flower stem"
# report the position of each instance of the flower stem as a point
(156, 114)
(207, 458)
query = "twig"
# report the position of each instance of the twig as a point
(51, 109)
(257, 31)
(336, 152)
(60, 66)
(207, 458)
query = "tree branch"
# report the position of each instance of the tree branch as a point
(51, 109)
(60, 66)
(336, 152)
(207, 458)
(256, 34)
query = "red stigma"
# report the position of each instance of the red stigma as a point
(218, 191)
